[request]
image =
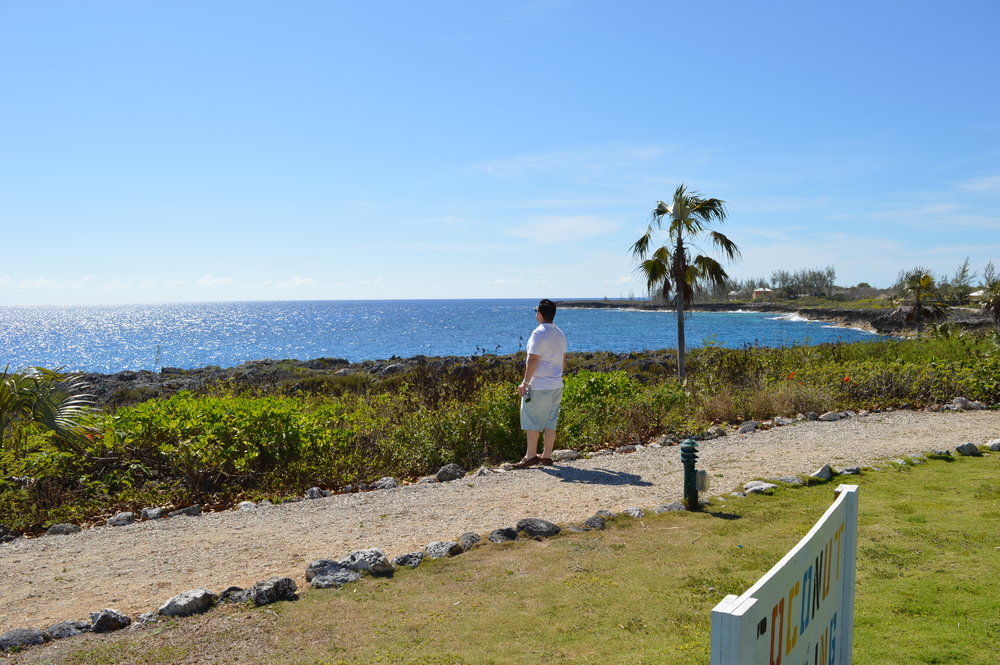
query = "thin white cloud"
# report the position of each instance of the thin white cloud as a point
(557, 229)
(45, 283)
(502, 282)
(211, 281)
(577, 160)
(944, 215)
(625, 279)
(986, 184)
(453, 247)
(293, 282)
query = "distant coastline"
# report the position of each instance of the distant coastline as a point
(875, 320)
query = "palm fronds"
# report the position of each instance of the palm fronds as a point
(46, 399)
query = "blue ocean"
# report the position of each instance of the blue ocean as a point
(112, 338)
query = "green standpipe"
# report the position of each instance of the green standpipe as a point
(689, 450)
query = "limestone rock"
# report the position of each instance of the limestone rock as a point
(121, 519)
(410, 559)
(825, 472)
(64, 629)
(668, 507)
(964, 404)
(468, 540)
(759, 487)
(108, 620)
(449, 472)
(784, 421)
(969, 450)
(6, 534)
(189, 511)
(313, 493)
(637, 513)
(503, 535)
(595, 523)
(326, 573)
(606, 514)
(246, 505)
(483, 471)
(19, 638)
(994, 445)
(565, 455)
(144, 620)
(714, 432)
(372, 561)
(190, 602)
(629, 448)
(851, 471)
(440, 549)
(790, 480)
(387, 483)
(831, 416)
(62, 530)
(537, 528)
(811, 415)
(234, 594)
(152, 513)
(272, 590)
(748, 427)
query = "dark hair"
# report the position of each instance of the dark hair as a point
(547, 309)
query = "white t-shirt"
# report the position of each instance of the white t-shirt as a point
(548, 342)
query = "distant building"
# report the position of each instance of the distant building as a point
(762, 292)
(977, 296)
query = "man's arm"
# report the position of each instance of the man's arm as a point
(529, 371)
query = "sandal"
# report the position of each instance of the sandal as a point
(526, 462)
(547, 461)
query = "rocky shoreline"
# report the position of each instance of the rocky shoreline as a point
(877, 320)
(291, 376)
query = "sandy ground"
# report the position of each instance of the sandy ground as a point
(136, 568)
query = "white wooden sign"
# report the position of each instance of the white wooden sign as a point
(802, 611)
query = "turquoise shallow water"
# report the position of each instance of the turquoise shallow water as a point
(111, 338)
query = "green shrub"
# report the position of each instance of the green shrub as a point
(333, 431)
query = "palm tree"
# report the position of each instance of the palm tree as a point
(926, 305)
(671, 268)
(991, 301)
(46, 399)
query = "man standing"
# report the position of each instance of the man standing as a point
(541, 390)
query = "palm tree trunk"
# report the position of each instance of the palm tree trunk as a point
(681, 370)
(680, 273)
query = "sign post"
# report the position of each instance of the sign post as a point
(802, 610)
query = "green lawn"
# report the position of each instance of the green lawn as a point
(639, 592)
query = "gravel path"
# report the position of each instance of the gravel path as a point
(135, 568)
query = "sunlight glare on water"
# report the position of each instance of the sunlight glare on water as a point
(112, 338)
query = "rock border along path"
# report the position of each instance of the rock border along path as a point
(135, 568)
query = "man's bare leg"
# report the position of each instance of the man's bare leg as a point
(532, 449)
(549, 441)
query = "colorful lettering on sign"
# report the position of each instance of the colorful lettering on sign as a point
(810, 592)
(793, 633)
(777, 632)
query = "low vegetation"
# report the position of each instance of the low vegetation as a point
(271, 441)
(640, 592)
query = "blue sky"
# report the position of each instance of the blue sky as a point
(245, 150)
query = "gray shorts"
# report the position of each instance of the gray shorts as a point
(541, 411)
